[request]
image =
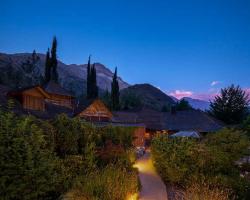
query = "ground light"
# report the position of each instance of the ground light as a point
(132, 197)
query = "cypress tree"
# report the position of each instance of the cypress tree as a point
(53, 62)
(115, 93)
(47, 71)
(89, 79)
(94, 88)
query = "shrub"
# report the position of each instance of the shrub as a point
(27, 167)
(111, 183)
(204, 192)
(184, 161)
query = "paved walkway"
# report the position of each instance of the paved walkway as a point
(152, 186)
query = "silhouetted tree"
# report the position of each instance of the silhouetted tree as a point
(53, 61)
(94, 82)
(92, 88)
(231, 105)
(183, 105)
(47, 71)
(115, 92)
(106, 98)
(88, 78)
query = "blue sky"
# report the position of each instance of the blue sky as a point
(179, 46)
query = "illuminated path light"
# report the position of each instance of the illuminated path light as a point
(153, 187)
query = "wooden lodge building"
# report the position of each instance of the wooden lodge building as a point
(46, 102)
(96, 112)
(36, 97)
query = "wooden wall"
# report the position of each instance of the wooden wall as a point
(32, 99)
(139, 134)
(60, 100)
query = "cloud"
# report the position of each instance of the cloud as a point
(181, 93)
(214, 83)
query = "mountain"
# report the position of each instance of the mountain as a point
(174, 98)
(25, 69)
(197, 103)
(141, 95)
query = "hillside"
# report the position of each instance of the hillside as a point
(141, 95)
(197, 103)
(22, 70)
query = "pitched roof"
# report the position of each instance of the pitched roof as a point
(93, 108)
(54, 88)
(19, 91)
(190, 120)
(125, 117)
(192, 134)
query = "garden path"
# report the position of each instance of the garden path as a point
(153, 187)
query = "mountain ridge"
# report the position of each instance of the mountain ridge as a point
(72, 77)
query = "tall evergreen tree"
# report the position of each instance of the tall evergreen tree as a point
(89, 78)
(53, 62)
(115, 92)
(94, 82)
(47, 71)
(92, 88)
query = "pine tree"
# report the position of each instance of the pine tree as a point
(53, 62)
(47, 71)
(115, 93)
(89, 78)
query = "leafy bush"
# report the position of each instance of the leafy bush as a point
(205, 192)
(27, 167)
(184, 161)
(111, 183)
(43, 159)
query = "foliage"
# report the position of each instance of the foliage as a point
(47, 71)
(230, 141)
(115, 93)
(53, 61)
(246, 126)
(165, 108)
(183, 105)
(231, 105)
(119, 135)
(184, 161)
(43, 159)
(111, 183)
(106, 98)
(205, 192)
(92, 88)
(130, 100)
(50, 71)
(27, 167)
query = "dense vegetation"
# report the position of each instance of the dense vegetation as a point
(48, 159)
(211, 162)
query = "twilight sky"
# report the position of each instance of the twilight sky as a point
(184, 47)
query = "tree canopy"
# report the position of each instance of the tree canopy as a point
(231, 105)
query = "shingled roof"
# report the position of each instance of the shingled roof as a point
(125, 117)
(54, 88)
(190, 120)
